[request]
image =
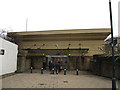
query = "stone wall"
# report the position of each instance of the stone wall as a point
(37, 62)
(28, 63)
(74, 62)
(77, 62)
(118, 41)
(23, 63)
(103, 66)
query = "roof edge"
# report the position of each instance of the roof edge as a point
(62, 30)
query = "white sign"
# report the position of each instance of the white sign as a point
(56, 56)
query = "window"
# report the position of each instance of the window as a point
(2, 51)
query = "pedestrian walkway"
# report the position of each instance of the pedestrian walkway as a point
(46, 80)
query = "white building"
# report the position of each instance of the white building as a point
(8, 57)
(119, 19)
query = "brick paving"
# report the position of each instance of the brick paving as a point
(46, 80)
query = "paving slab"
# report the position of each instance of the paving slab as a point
(47, 80)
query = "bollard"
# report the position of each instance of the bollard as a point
(57, 71)
(41, 70)
(52, 70)
(64, 71)
(77, 72)
(31, 69)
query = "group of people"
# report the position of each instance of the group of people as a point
(56, 65)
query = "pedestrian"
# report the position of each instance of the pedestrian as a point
(44, 65)
(57, 67)
(50, 65)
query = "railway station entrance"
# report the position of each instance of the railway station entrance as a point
(78, 46)
(63, 58)
(60, 59)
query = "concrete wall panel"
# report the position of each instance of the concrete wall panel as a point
(93, 45)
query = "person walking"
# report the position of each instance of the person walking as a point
(51, 66)
(44, 65)
(57, 67)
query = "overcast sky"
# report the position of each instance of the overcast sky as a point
(57, 14)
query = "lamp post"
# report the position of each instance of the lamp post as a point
(113, 58)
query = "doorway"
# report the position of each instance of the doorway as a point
(62, 59)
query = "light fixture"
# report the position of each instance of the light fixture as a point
(43, 54)
(69, 54)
